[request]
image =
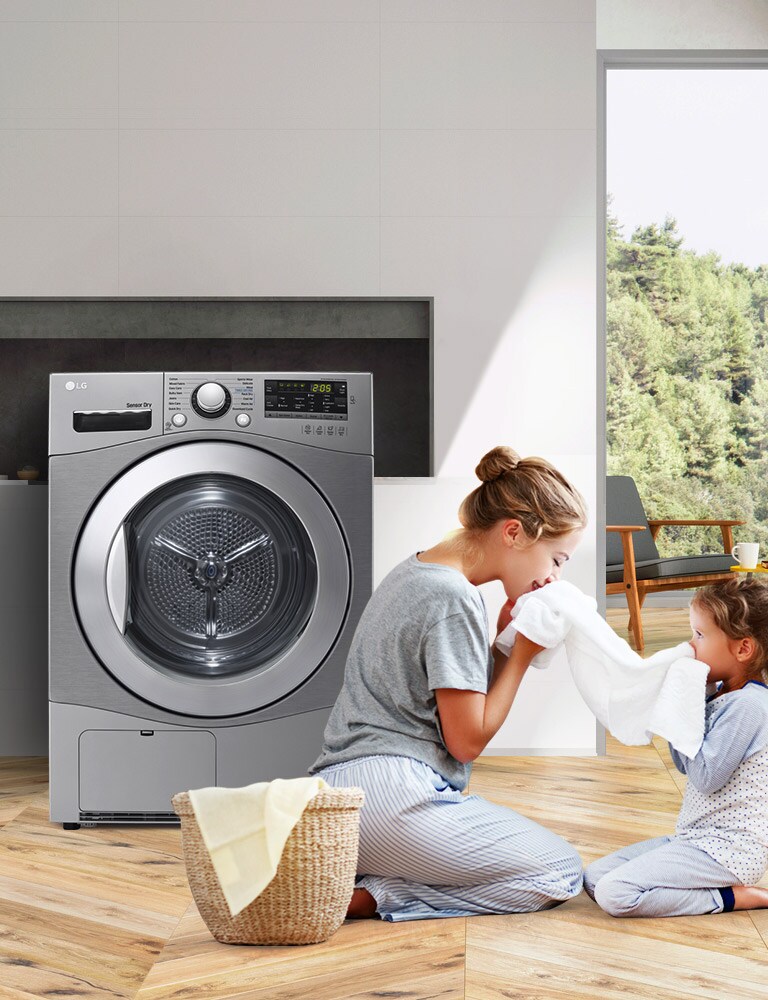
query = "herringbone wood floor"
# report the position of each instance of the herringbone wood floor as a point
(107, 912)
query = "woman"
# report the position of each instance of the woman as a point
(423, 694)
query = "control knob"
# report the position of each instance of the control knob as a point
(211, 400)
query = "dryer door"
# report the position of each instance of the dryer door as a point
(211, 579)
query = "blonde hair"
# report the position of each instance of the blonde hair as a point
(530, 490)
(740, 609)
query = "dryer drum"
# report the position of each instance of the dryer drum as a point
(222, 575)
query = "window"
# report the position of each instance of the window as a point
(687, 294)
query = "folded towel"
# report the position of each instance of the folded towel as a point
(632, 697)
(245, 830)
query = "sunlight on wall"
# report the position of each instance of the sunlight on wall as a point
(536, 390)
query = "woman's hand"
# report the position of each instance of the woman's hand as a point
(526, 647)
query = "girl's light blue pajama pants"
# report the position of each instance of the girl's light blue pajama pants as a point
(663, 877)
(426, 850)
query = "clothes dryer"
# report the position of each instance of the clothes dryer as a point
(210, 555)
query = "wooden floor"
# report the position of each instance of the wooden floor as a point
(107, 912)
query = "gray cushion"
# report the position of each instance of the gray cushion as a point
(654, 569)
(624, 506)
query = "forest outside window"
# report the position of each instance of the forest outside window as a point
(687, 296)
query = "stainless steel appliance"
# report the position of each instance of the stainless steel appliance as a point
(210, 555)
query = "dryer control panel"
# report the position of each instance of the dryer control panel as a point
(210, 398)
(325, 409)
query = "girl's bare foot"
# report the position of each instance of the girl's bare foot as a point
(748, 897)
(362, 905)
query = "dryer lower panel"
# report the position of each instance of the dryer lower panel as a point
(138, 770)
(136, 789)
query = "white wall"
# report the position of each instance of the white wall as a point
(336, 147)
(682, 24)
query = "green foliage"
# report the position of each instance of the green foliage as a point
(687, 384)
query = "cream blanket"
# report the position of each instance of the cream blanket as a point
(631, 696)
(245, 830)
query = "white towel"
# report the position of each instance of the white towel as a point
(632, 697)
(245, 830)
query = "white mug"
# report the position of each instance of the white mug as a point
(749, 553)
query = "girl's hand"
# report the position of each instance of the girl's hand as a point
(505, 617)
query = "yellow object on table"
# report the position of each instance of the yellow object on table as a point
(749, 570)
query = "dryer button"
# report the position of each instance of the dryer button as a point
(178, 419)
(242, 420)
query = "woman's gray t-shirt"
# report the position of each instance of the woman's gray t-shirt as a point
(425, 627)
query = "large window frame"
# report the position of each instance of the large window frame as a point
(617, 59)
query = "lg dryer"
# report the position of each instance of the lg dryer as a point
(210, 556)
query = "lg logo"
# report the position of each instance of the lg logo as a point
(75, 385)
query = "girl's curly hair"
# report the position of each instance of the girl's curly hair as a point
(740, 609)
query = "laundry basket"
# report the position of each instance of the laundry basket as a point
(307, 900)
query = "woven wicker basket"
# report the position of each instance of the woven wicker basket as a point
(307, 900)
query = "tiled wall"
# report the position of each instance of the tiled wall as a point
(438, 148)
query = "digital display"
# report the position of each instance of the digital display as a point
(324, 398)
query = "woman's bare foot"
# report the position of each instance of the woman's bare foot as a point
(361, 906)
(747, 897)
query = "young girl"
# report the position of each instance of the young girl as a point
(720, 846)
(424, 693)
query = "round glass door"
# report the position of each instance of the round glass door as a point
(212, 578)
(222, 576)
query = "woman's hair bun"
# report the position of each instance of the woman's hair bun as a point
(537, 495)
(496, 463)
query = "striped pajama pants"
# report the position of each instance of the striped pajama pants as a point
(427, 851)
(663, 877)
